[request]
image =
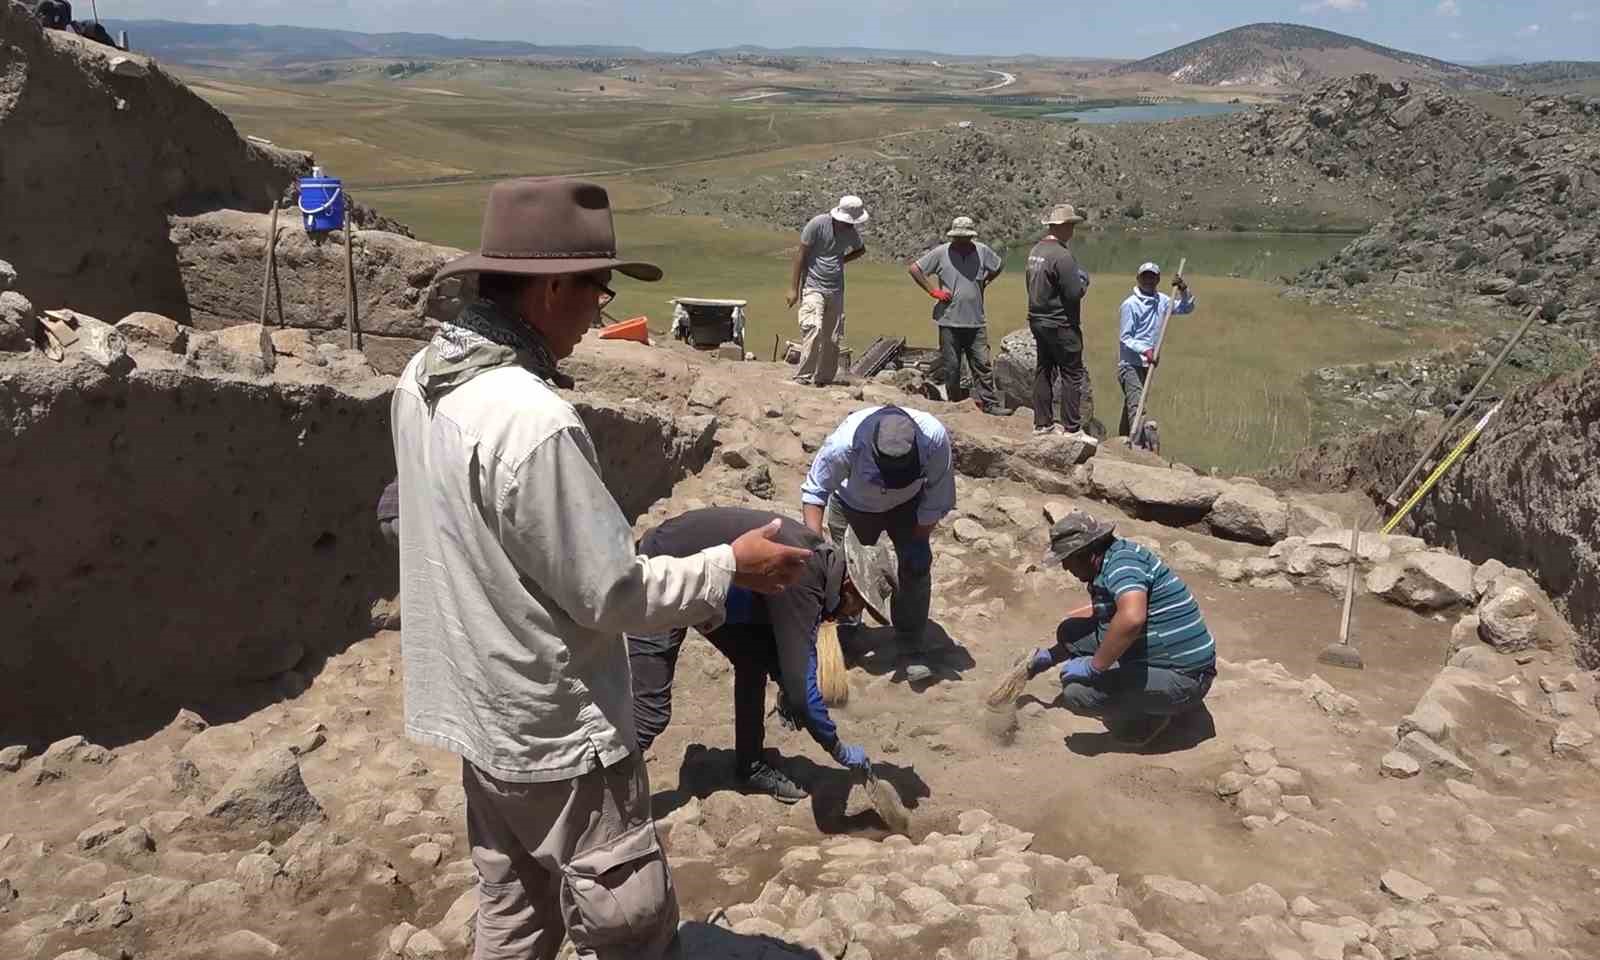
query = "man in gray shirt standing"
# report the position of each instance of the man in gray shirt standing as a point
(1055, 316)
(828, 242)
(955, 275)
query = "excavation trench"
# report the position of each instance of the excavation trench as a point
(174, 539)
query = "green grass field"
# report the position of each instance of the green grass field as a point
(1229, 394)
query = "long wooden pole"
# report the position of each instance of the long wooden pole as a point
(352, 325)
(1350, 583)
(1150, 378)
(1393, 500)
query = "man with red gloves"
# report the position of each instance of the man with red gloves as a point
(955, 275)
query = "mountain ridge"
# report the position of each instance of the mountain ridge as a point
(1273, 54)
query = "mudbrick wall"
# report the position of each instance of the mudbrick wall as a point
(100, 147)
(173, 538)
(1527, 493)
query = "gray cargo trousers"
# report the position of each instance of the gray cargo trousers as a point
(576, 858)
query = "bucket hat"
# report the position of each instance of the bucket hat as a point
(1062, 213)
(1074, 533)
(547, 226)
(850, 210)
(962, 227)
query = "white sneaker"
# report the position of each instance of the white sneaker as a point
(1044, 431)
(1084, 437)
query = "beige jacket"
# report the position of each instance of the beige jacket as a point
(518, 575)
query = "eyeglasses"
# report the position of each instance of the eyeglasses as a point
(606, 293)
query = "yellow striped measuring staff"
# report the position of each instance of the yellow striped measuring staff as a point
(1444, 465)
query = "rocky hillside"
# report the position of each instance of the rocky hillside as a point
(1294, 56)
(1004, 173)
(1503, 210)
(1527, 492)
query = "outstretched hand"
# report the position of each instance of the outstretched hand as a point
(763, 564)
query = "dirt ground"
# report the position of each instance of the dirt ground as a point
(393, 851)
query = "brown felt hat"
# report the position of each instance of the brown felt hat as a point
(545, 226)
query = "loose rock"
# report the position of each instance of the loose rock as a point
(268, 794)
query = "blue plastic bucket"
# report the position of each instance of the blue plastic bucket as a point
(322, 203)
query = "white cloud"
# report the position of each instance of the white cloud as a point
(1343, 6)
(1456, 35)
(1581, 16)
(1530, 30)
(1449, 8)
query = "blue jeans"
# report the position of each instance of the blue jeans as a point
(1128, 695)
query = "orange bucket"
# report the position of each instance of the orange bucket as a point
(631, 329)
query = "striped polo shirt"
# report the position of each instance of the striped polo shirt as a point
(1175, 635)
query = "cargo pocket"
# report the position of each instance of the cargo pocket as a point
(619, 892)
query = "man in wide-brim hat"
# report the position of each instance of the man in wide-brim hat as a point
(519, 576)
(816, 282)
(1056, 287)
(1139, 653)
(955, 275)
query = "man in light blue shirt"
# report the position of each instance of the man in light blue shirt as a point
(887, 470)
(1141, 327)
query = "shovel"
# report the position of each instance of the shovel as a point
(1341, 654)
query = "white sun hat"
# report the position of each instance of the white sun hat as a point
(850, 210)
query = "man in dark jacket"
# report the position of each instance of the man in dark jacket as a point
(764, 635)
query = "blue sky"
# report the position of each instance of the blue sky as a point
(1450, 29)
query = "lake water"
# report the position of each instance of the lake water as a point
(1254, 256)
(1150, 112)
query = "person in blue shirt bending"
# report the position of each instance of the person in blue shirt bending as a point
(1136, 344)
(887, 470)
(1139, 653)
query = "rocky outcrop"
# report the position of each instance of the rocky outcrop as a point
(96, 158)
(1527, 493)
(1498, 206)
(220, 257)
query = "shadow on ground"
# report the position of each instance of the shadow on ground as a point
(703, 941)
(940, 659)
(706, 771)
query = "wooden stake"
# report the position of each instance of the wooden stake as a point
(352, 324)
(1150, 378)
(775, 338)
(267, 268)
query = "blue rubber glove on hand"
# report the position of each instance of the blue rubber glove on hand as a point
(1041, 662)
(850, 756)
(1079, 668)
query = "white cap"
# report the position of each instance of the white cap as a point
(1149, 266)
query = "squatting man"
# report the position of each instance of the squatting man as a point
(1139, 653)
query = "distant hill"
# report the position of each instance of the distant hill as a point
(1293, 56)
(1549, 71)
(828, 53)
(255, 45)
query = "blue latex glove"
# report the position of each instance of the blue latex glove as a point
(850, 756)
(1041, 662)
(917, 556)
(1079, 668)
